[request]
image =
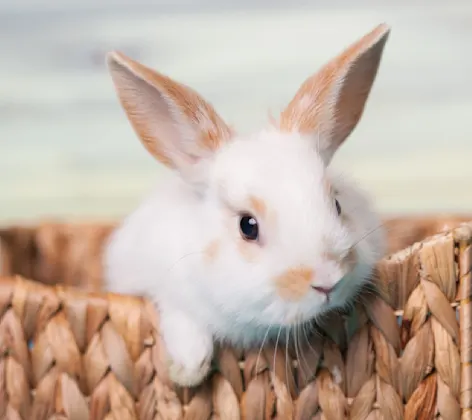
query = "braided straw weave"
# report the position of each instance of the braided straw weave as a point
(73, 353)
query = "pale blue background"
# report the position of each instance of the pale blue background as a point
(67, 150)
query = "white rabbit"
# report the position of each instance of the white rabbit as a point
(250, 234)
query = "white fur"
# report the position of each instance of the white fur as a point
(159, 249)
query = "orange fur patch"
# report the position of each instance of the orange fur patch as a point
(258, 205)
(247, 250)
(211, 251)
(327, 185)
(331, 256)
(294, 283)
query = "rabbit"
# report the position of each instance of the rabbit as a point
(245, 235)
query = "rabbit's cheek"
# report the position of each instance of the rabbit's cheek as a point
(211, 251)
(341, 264)
(350, 284)
(349, 262)
(247, 250)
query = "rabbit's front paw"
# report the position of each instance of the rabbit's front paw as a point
(188, 374)
(189, 349)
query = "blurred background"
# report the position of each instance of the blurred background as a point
(68, 152)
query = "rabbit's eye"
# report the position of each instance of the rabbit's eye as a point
(338, 207)
(248, 227)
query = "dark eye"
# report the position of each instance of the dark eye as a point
(338, 207)
(249, 228)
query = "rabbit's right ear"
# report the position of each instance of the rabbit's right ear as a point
(174, 123)
(330, 103)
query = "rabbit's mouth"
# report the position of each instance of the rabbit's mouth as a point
(326, 291)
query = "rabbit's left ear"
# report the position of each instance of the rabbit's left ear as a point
(330, 103)
(174, 123)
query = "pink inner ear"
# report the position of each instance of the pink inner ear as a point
(331, 101)
(175, 124)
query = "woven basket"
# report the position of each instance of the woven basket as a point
(73, 353)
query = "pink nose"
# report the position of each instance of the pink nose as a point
(325, 290)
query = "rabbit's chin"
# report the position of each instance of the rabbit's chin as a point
(289, 320)
(253, 335)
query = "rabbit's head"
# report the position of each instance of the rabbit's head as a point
(282, 238)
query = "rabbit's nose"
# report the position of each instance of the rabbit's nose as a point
(324, 290)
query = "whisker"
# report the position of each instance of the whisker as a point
(174, 264)
(296, 351)
(287, 358)
(313, 329)
(276, 344)
(367, 234)
(262, 345)
(301, 357)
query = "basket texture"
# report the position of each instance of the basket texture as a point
(75, 353)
